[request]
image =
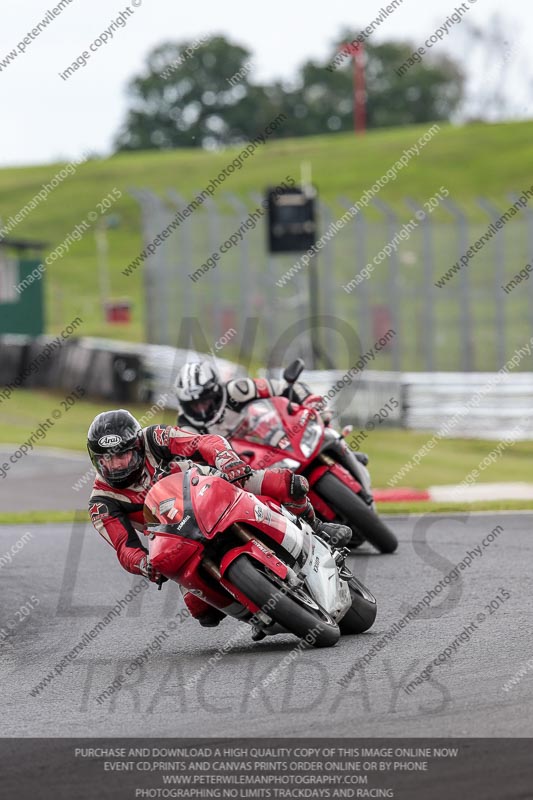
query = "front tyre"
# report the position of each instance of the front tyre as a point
(288, 607)
(356, 513)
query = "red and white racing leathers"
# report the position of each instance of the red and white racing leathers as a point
(117, 514)
(242, 391)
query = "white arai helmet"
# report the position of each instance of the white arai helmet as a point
(201, 394)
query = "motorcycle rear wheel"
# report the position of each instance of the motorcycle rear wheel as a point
(357, 514)
(286, 608)
(362, 613)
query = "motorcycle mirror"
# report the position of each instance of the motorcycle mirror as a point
(294, 370)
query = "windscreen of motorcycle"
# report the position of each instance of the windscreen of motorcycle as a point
(262, 424)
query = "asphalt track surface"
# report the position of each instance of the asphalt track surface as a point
(43, 480)
(74, 579)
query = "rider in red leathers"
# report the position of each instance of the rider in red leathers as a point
(129, 460)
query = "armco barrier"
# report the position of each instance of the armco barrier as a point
(483, 405)
(13, 353)
(118, 372)
(356, 401)
(129, 373)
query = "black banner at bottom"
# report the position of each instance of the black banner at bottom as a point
(127, 769)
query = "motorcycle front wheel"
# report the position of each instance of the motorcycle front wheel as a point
(356, 513)
(290, 608)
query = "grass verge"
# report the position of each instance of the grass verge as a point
(471, 160)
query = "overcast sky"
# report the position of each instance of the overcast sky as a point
(46, 119)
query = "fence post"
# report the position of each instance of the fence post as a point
(184, 257)
(499, 277)
(328, 285)
(527, 216)
(244, 303)
(428, 289)
(360, 249)
(214, 242)
(267, 281)
(152, 208)
(393, 285)
(464, 288)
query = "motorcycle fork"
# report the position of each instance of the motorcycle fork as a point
(242, 534)
(262, 620)
(248, 536)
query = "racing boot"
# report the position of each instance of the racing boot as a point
(300, 505)
(258, 635)
(211, 618)
(334, 533)
(207, 615)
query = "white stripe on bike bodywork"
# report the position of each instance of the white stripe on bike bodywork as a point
(296, 541)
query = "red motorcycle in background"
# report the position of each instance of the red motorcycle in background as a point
(276, 432)
(251, 559)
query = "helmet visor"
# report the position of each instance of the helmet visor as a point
(206, 407)
(118, 468)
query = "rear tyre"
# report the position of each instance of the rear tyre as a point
(356, 513)
(291, 609)
(362, 613)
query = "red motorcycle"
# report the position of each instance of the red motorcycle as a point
(251, 559)
(283, 434)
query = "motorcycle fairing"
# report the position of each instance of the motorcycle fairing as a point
(208, 511)
(262, 424)
(321, 507)
(336, 469)
(179, 557)
(265, 424)
(324, 582)
(205, 510)
(178, 550)
(257, 551)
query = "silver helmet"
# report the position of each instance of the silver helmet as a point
(201, 394)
